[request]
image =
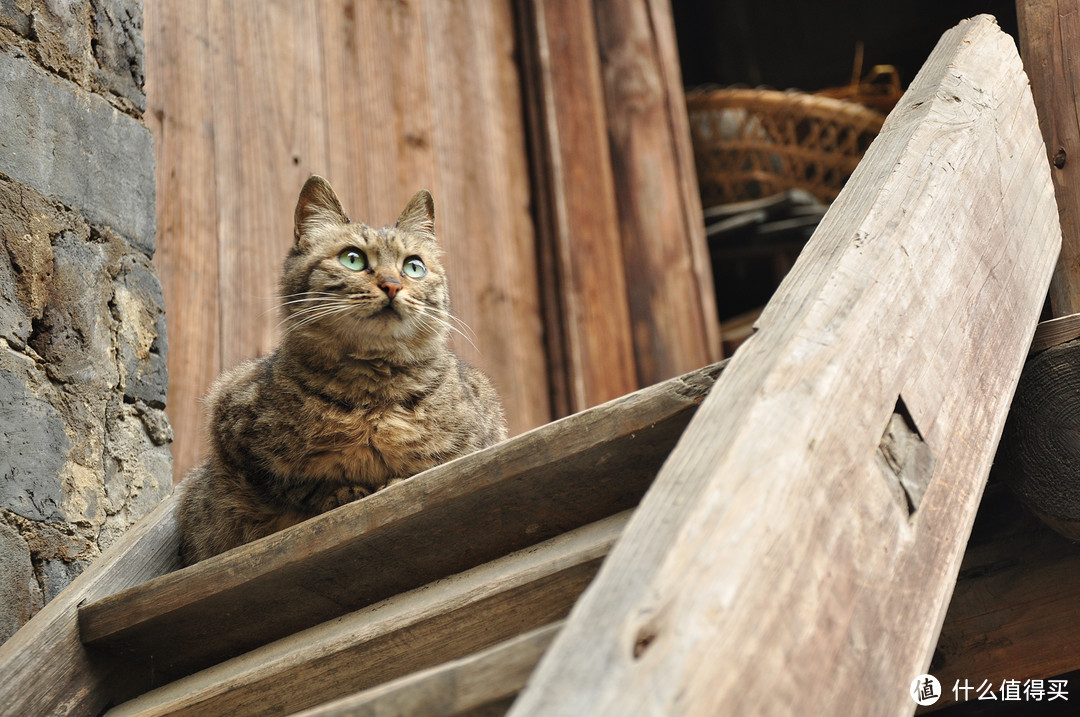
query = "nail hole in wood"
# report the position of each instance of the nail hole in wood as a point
(644, 639)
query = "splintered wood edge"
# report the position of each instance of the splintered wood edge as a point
(1054, 332)
(492, 675)
(615, 419)
(277, 674)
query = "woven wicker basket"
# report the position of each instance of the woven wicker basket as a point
(754, 143)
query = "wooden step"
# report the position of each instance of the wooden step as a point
(484, 683)
(441, 522)
(445, 620)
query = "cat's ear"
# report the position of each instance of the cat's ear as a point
(419, 215)
(318, 205)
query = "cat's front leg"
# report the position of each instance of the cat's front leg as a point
(308, 495)
(345, 494)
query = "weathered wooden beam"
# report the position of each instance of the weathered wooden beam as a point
(661, 227)
(45, 668)
(448, 519)
(615, 185)
(587, 312)
(1049, 30)
(1039, 443)
(445, 620)
(784, 549)
(485, 682)
(1013, 612)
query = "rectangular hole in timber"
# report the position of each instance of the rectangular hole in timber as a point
(905, 457)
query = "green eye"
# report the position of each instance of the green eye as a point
(414, 268)
(353, 259)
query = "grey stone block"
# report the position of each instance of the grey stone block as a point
(20, 594)
(14, 17)
(118, 47)
(75, 333)
(75, 147)
(33, 445)
(139, 307)
(58, 574)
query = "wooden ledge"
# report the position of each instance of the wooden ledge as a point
(420, 629)
(453, 517)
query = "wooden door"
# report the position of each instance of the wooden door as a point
(247, 98)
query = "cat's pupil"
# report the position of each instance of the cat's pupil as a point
(414, 267)
(353, 259)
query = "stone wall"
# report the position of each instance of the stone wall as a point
(84, 442)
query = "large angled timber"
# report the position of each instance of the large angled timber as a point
(443, 521)
(797, 551)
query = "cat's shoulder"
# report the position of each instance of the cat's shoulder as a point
(242, 382)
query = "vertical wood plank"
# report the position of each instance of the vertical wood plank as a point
(379, 115)
(1049, 35)
(480, 149)
(584, 288)
(180, 116)
(268, 122)
(671, 295)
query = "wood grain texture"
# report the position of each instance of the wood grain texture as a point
(248, 98)
(46, 669)
(1039, 451)
(443, 521)
(484, 680)
(1055, 331)
(1013, 612)
(672, 303)
(179, 112)
(584, 288)
(445, 620)
(773, 559)
(1049, 31)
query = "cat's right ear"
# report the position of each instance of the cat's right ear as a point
(318, 206)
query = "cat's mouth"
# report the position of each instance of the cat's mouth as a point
(389, 311)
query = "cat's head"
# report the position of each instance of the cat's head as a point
(381, 293)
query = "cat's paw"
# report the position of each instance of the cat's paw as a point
(347, 494)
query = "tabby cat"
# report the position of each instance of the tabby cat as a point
(362, 391)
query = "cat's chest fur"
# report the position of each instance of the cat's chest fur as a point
(316, 429)
(368, 445)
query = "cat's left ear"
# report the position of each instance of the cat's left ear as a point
(419, 215)
(318, 205)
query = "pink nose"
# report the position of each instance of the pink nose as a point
(390, 286)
